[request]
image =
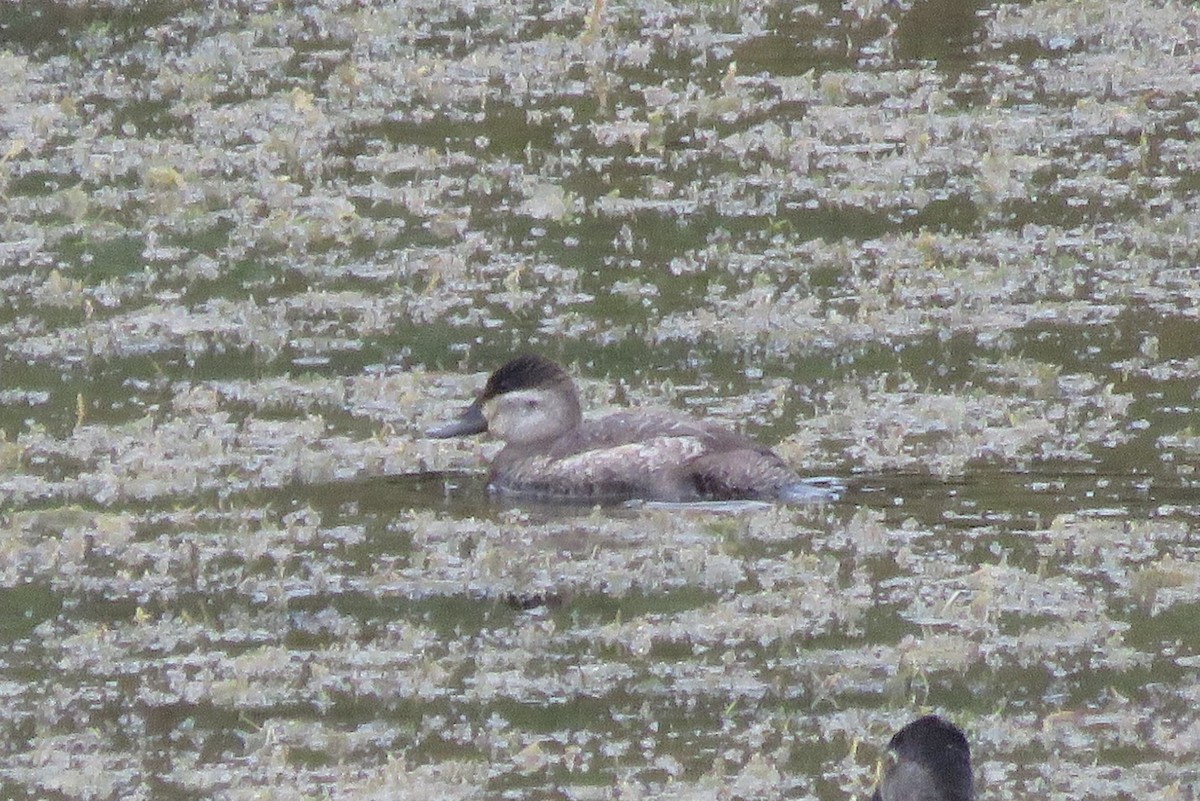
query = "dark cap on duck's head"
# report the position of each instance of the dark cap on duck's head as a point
(932, 740)
(933, 762)
(526, 372)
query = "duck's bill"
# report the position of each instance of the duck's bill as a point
(469, 422)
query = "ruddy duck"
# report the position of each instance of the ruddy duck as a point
(933, 763)
(550, 451)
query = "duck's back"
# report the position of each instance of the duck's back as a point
(645, 426)
(645, 454)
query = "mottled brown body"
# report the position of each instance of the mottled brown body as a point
(552, 452)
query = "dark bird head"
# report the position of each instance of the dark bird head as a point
(528, 371)
(933, 763)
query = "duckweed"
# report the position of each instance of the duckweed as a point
(250, 253)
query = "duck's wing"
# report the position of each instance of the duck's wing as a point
(648, 468)
(651, 429)
(743, 473)
(670, 456)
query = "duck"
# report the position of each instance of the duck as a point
(932, 763)
(551, 452)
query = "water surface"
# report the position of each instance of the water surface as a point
(945, 252)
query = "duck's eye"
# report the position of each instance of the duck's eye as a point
(531, 403)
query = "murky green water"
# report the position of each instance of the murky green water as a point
(945, 252)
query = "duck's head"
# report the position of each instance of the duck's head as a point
(933, 761)
(530, 399)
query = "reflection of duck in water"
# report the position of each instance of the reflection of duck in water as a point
(550, 451)
(933, 763)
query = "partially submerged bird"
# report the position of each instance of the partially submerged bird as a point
(933, 763)
(550, 451)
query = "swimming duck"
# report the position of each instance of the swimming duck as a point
(550, 451)
(933, 763)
